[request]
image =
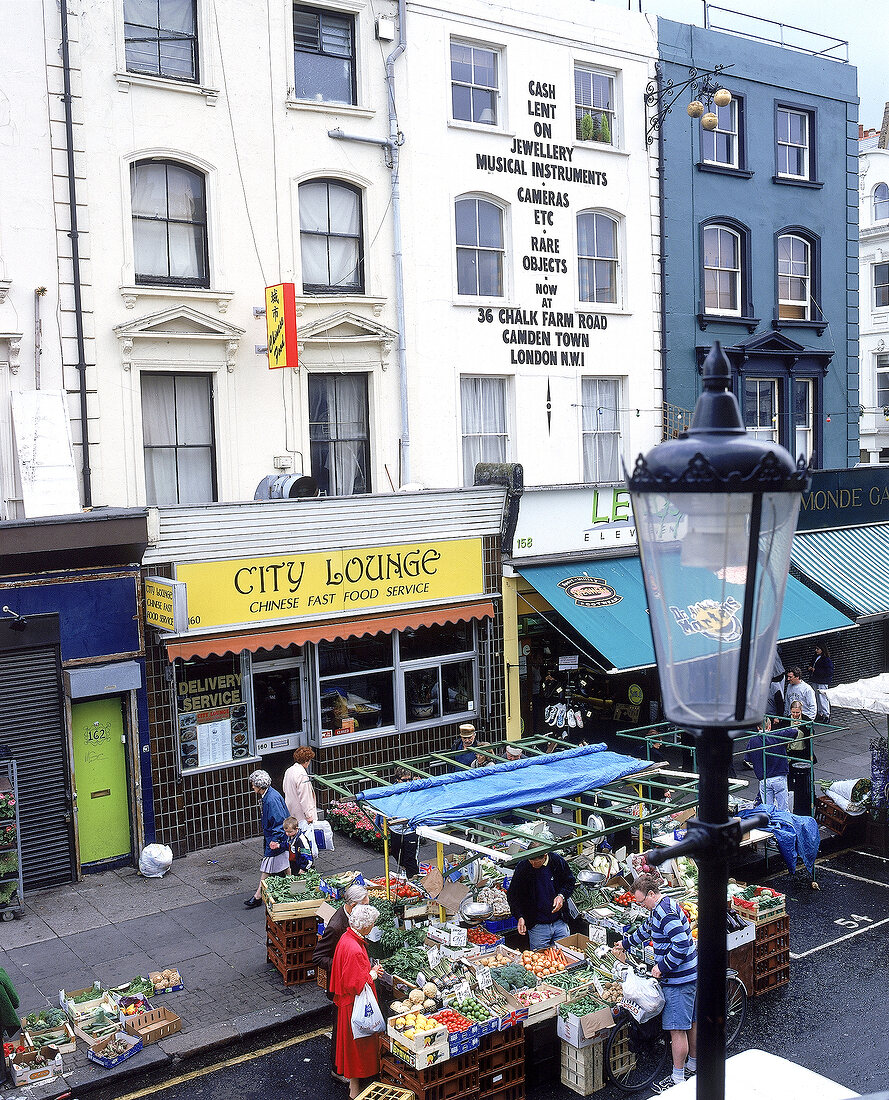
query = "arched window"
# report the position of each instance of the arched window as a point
(794, 278)
(881, 202)
(169, 224)
(598, 258)
(480, 247)
(722, 270)
(331, 237)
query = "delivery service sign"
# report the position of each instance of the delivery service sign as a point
(256, 590)
(280, 319)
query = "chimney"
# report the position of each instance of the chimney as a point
(883, 143)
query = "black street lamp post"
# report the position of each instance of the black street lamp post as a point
(715, 515)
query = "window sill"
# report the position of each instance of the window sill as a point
(376, 304)
(705, 319)
(602, 307)
(599, 147)
(487, 303)
(349, 109)
(724, 170)
(188, 773)
(789, 181)
(131, 294)
(794, 322)
(479, 128)
(124, 80)
(445, 720)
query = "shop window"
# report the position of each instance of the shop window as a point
(480, 248)
(598, 258)
(722, 145)
(600, 401)
(331, 238)
(339, 433)
(211, 713)
(475, 84)
(881, 285)
(442, 686)
(177, 437)
(793, 138)
(160, 38)
(435, 641)
(356, 685)
(594, 106)
(881, 202)
(169, 224)
(324, 56)
(782, 410)
(483, 404)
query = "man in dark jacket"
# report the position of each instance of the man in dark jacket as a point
(767, 755)
(539, 889)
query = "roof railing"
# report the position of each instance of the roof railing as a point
(781, 34)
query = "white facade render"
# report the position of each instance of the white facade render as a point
(874, 298)
(205, 171)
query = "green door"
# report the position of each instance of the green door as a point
(100, 778)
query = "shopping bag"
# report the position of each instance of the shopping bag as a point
(642, 998)
(307, 833)
(323, 835)
(367, 1019)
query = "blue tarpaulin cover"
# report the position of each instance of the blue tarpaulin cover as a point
(794, 835)
(498, 787)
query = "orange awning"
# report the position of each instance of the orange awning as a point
(204, 646)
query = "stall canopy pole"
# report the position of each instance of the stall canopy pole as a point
(439, 859)
(386, 858)
(578, 821)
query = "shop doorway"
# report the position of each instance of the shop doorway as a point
(98, 736)
(279, 711)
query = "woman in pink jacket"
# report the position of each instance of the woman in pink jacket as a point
(297, 787)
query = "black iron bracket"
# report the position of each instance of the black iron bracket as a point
(662, 95)
(709, 842)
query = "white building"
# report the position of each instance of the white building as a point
(205, 170)
(874, 307)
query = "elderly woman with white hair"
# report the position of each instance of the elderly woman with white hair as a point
(276, 854)
(357, 1059)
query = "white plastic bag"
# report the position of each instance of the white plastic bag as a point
(841, 793)
(367, 1019)
(308, 832)
(155, 860)
(323, 835)
(643, 997)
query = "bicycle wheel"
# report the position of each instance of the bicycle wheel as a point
(635, 1054)
(735, 1007)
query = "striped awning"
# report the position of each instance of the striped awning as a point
(849, 565)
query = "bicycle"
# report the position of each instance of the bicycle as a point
(637, 1054)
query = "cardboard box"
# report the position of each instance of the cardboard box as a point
(744, 935)
(583, 1031)
(159, 982)
(61, 1037)
(26, 1071)
(96, 1051)
(153, 1025)
(575, 944)
(421, 1040)
(543, 1010)
(431, 1056)
(84, 1009)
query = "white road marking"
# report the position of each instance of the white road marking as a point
(833, 943)
(848, 874)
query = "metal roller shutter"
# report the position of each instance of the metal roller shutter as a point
(32, 725)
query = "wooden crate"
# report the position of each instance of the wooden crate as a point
(154, 1025)
(829, 814)
(583, 1069)
(381, 1091)
(290, 910)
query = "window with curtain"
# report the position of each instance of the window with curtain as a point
(881, 202)
(761, 408)
(331, 239)
(882, 371)
(169, 224)
(600, 427)
(483, 404)
(720, 146)
(594, 113)
(794, 278)
(160, 38)
(324, 55)
(339, 434)
(475, 90)
(480, 250)
(802, 417)
(177, 437)
(793, 139)
(722, 270)
(598, 263)
(881, 285)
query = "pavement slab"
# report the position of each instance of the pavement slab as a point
(107, 943)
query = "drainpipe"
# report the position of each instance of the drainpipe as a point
(75, 260)
(659, 77)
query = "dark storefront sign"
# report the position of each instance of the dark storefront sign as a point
(845, 498)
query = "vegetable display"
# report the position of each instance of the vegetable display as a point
(583, 1006)
(138, 986)
(453, 1021)
(513, 977)
(473, 1009)
(45, 1019)
(284, 888)
(481, 938)
(544, 963)
(572, 979)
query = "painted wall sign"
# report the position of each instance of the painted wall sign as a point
(166, 604)
(562, 520)
(298, 586)
(280, 320)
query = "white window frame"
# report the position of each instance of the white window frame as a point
(499, 121)
(759, 430)
(882, 201)
(881, 285)
(806, 278)
(803, 433)
(616, 261)
(730, 114)
(207, 62)
(613, 113)
(505, 250)
(786, 143)
(587, 400)
(736, 271)
(505, 433)
(881, 368)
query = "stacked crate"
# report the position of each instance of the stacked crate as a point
(290, 945)
(542, 1054)
(771, 956)
(454, 1079)
(501, 1065)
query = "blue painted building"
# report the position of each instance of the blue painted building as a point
(760, 232)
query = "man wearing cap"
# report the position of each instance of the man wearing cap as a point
(466, 742)
(513, 751)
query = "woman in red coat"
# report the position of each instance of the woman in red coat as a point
(357, 1059)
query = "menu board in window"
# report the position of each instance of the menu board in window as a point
(212, 717)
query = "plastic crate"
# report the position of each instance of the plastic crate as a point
(505, 924)
(453, 1067)
(829, 814)
(583, 1069)
(772, 938)
(508, 1077)
(505, 1039)
(290, 936)
(772, 975)
(294, 972)
(434, 1083)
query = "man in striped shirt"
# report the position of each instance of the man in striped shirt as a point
(676, 968)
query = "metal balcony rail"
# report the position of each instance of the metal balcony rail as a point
(782, 34)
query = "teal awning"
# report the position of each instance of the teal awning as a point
(614, 619)
(850, 565)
